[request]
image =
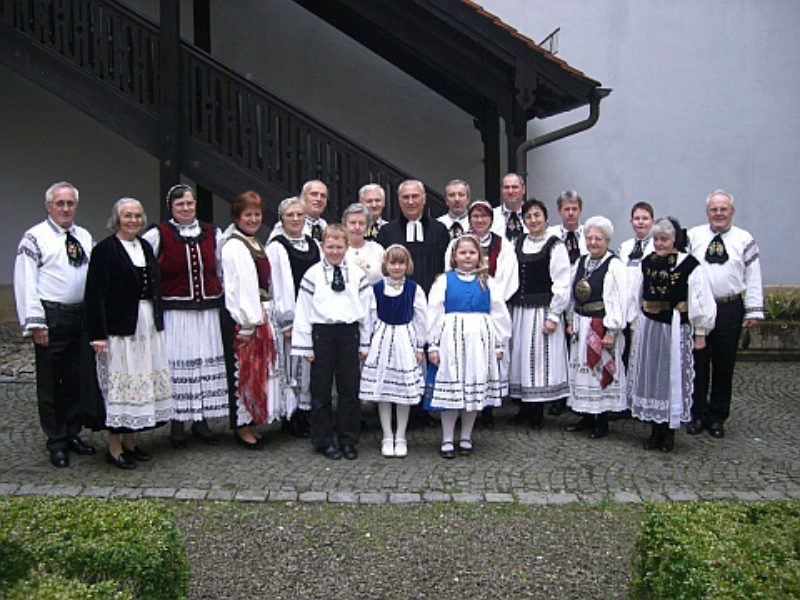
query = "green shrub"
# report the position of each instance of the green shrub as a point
(718, 550)
(782, 305)
(43, 586)
(133, 544)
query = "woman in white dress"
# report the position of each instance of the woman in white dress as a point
(597, 317)
(539, 371)
(468, 326)
(366, 254)
(126, 330)
(291, 253)
(187, 252)
(677, 310)
(256, 395)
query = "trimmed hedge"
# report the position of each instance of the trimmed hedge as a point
(718, 550)
(90, 548)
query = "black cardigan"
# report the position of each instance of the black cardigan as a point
(112, 290)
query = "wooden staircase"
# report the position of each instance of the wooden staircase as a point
(103, 58)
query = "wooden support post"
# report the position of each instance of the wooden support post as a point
(202, 39)
(490, 134)
(170, 98)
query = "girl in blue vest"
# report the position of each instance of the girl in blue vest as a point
(392, 373)
(468, 325)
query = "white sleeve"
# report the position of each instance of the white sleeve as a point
(436, 311)
(499, 315)
(282, 282)
(153, 237)
(561, 275)
(242, 298)
(635, 287)
(507, 273)
(365, 295)
(420, 315)
(615, 296)
(702, 306)
(753, 291)
(302, 341)
(447, 254)
(26, 286)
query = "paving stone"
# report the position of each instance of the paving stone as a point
(343, 497)
(533, 498)
(498, 497)
(98, 492)
(6, 489)
(126, 493)
(436, 497)
(313, 497)
(682, 495)
(63, 491)
(251, 496)
(627, 498)
(283, 496)
(158, 492)
(191, 494)
(222, 495)
(404, 498)
(372, 498)
(562, 498)
(748, 496)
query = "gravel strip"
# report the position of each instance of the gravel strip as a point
(303, 550)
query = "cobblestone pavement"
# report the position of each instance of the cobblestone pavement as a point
(759, 458)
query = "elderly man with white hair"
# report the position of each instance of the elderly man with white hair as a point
(373, 197)
(599, 314)
(315, 196)
(730, 259)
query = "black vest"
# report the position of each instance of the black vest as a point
(664, 282)
(535, 284)
(589, 307)
(300, 262)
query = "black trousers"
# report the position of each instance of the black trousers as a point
(335, 355)
(58, 376)
(714, 365)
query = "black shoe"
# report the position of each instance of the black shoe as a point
(59, 458)
(716, 429)
(247, 445)
(656, 437)
(487, 417)
(557, 407)
(668, 443)
(520, 417)
(465, 447)
(329, 452)
(448, 450)
(201, 430)
(122, 461)
(585, 423)
(599, 431)
(138, 454)
(536, 415)
(695, 427)
(78, 446)
(299, 426)
(177, 436)
(349, 452)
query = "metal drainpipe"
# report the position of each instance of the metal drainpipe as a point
(594, 114)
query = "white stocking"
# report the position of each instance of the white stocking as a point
(385, 414)
(402, 420)
(448, 425)
(467, 423)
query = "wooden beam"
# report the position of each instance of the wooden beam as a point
(202, 39)
(490, 135)
(170, 112)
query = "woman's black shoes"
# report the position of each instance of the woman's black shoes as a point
(257, 445)
(121, 462)
(203, 432)
(137, 454)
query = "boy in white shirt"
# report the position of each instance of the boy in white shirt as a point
(330, 331)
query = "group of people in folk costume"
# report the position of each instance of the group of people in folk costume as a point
(453, 316)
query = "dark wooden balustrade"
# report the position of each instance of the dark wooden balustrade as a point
(102, 57)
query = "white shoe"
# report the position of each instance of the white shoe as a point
(400, 449)
(387, 447)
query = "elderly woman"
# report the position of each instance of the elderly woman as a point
(187, 252)
(290, 255)
(599, 314)
(538, 371)
(366, 254)
(125, 324)
(677, 310)
(248, 292)
(374, 198)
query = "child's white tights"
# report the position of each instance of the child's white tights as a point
(385, 414)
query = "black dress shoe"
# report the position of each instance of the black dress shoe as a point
(520, 417)
(598, 432)
(695, 427)
(657, 431)
(59, 458)
(465, 447)
(330, 452)
(257, 445)
(203, 432)
(137, 454)
(536, 415)
(122, 461)
(78, 446)
(557, 407)
(179, 443)
(447, 451)
(717, 430)
(349, 452)
(584, 424)
(668, 443)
